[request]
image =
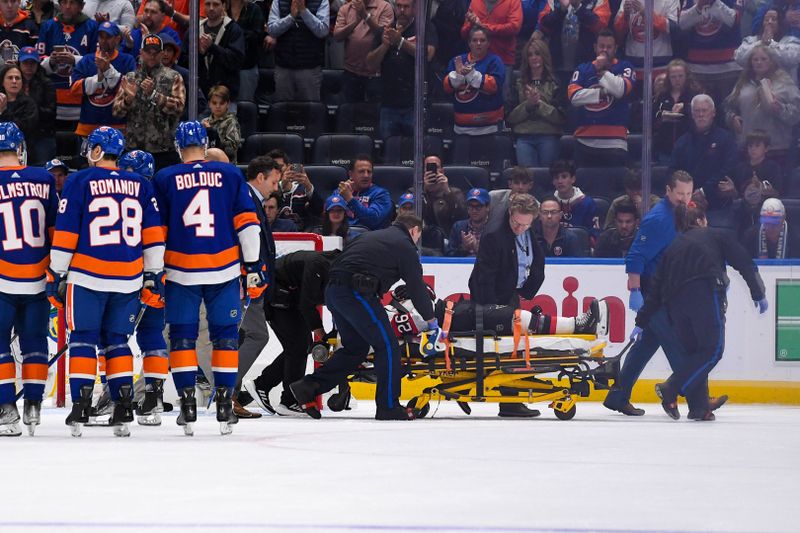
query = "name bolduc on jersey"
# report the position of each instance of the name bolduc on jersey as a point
(108, 231)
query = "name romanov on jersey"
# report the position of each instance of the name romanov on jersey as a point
(24, 189)
(114, 186)
(198, 179)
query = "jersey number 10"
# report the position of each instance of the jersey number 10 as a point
(29, 211)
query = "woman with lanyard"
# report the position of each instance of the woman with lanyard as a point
(509, 266)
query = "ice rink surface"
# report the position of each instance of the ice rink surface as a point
(598, 472)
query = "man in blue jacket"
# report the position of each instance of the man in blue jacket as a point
(370, 205)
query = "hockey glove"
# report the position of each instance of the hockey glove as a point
(432, 340)
(762, 305)
(56, 288)
(254, 278)
(636, 334)
(153, 290)
(636, 300)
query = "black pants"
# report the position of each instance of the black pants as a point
(290, 366)
(698, 317)
(586, 156)
(362, 322)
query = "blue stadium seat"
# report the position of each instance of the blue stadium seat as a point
(439, 121)
(339, 149)
(307, 119)
(361, 119)
(494, 153)
(396, 180)
(261, 143)
(400, 150)
(325, 178)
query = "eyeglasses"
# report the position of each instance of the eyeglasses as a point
(550, 213)
(516, 224)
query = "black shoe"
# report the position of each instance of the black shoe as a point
(305, 392)
(669, 401)
(704, 416)
(395, 413)
(628, 409)
(259, 394)
(716, 403)
(517, 410)
(244, 398)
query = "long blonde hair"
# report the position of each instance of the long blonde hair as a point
(774, 73)
(692, 85)
(542, 50)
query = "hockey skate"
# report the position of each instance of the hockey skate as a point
(594, 321)
(80, 412)
(149, 409)
(32, 415)
(122, 412)
(9, 420)
(225, 415)
(188, 414)
(101, 410)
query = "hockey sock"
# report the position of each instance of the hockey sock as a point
(150, 338)
(225, 362)
(119, 363)
(101, 365)
(564, 325)
(8, 375)
(34, 367)
(82, 361)
(155, 366)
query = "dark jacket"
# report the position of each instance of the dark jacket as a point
(24, 113)
(300, 279)
(267, 252)
(699, 253)
(251, 20)
(610, 244)
(750, 240)
(389, 255)
(221, 63)
(41, 90)
(566, 243)
(299, 48)
(708, 157)
(494, 277)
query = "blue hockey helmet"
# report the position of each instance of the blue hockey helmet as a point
(110, 141)
(12, 140)
(138, 161)
(190, 133)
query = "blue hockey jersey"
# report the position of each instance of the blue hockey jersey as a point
(602, 114)
(97, 97)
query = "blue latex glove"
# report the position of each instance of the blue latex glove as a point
(432, 340)
(762, 305)
(636, 334)
(636, 300)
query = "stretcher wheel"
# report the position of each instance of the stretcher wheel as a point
(568, 415)
(418, 413)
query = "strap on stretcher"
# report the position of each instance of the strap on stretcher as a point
(448, 319)
(517, 334)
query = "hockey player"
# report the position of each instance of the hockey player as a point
(149, 332)
(108, 244)
(211, 223)
(28, 210)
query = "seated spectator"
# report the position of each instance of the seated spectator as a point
(571, 27)
(502, 19)
(17, 30)
(756, 180)
(119, 12)
(38, 86)
(299, 28)
(771, 238)
(765, 98)
(629, 27)
(40, 11)
(538, 120)
(465, 237)
(553, 237)
(601, 90)
(15, 106)
(221, 50)
(520, 182)
(334, 220)
(154, 20)
(357, 24)
(671, 109)
(711, 32)
(367, 204)
(433, 237)
(276, 223)
(577, 208)
(475, 80)
(169, 58)
(442, 205)
(406, 203)
(59, 171)
(250, 18)
(615, 241)
(394, 50)
(299, 198)
(633, 194)
(223, 121)
(786, 47)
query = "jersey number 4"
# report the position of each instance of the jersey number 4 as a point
(198, 214)
(128, 210)
(32, 216)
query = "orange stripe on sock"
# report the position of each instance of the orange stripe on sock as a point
(34, 371)
(225, 359)
(155, 365)
(119, 366)
(7, 371)
(183, 358)
(101, 363)
(83, 365)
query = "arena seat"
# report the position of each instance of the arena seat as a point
(494, 153)
(400, 150)
(266, 86)
(339, 149)
(792, 206)
(325, 178)
(332, 90)
(261, 143)
(395, 179)
(792, 186)
(247, 114)
(566, 146)
(439, 121)
(583, 240)
(361, 118)
(602, 205)
(466, 178)
(601, 181)
(307, 119)
(635, 147)
(68, 148)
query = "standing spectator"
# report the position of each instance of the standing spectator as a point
(394, 49)
(538, 120)
(357, 23)
(223, 121)
(17, 30)
(96, 78)
(442, 205)
(59, 171)
(552, 235)
(250, 18)
(15, 106)
(465, 237)
(154, 20)
(629, 26)
(765, 98)
(771, 238)
(633, 194)
(502, 19)
(178, 13)
(771, 34)
(671, 109)
(334, 221)
(367, 204)
(577, 208)
(571, 27)
(221, 50)
(616, 240)
(712, 33)
(788, 11)
(520, 182)
(300, 28)
(152, 98)
(271, 204)
(40, 11)
(447, 21)
(64, 40)
(119, 12)
(38, 86)
(169, 59)
(600, 90)
(475, 80)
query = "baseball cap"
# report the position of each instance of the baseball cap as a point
(109, 28)
(407, 198)
(772, 211)
(55, 163)
(152, 42)
(169, 40)
(28, 53)
(335, 200)
(479, 195)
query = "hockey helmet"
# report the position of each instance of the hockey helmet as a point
(12, 140)
(138, 161)
(190, 133)
(110, 141)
